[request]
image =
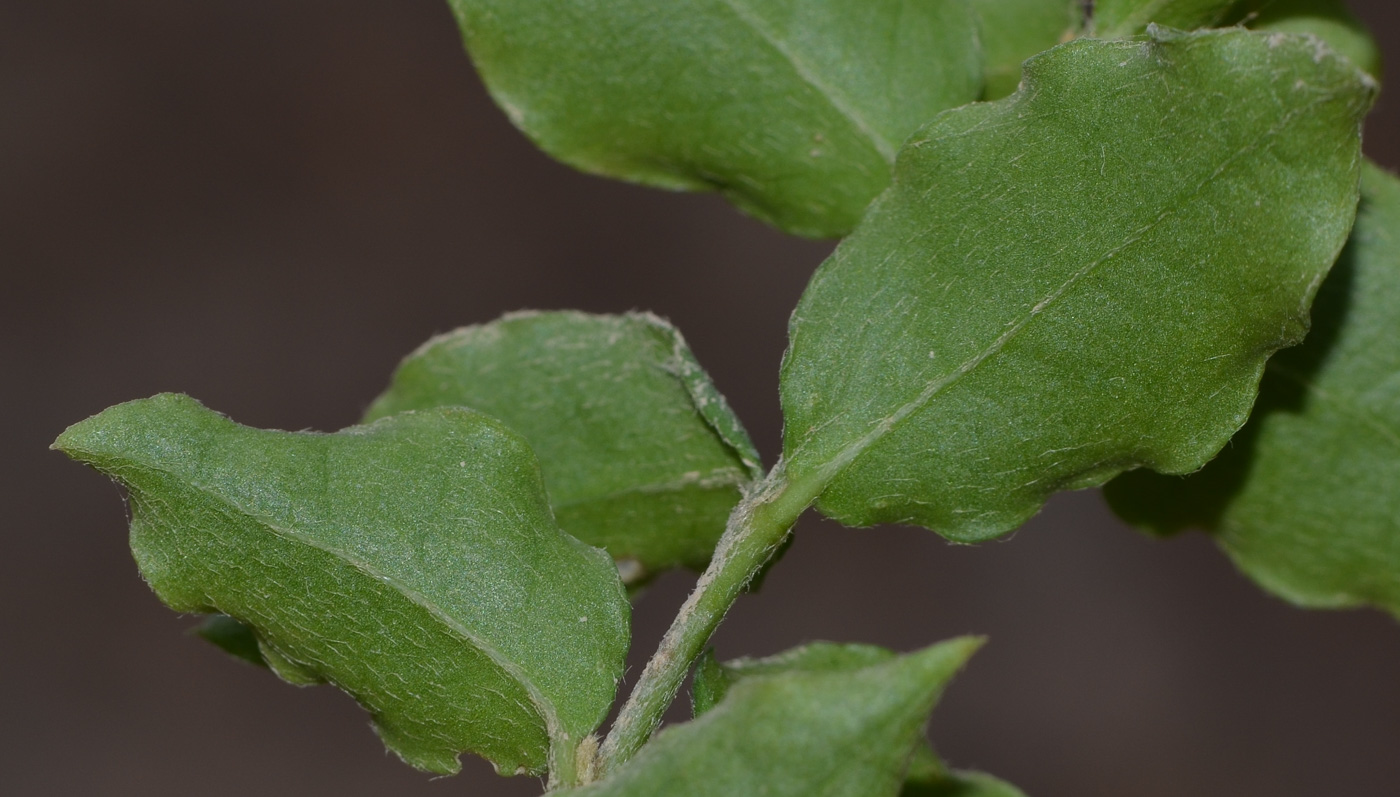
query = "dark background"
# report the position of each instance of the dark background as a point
(266, 204)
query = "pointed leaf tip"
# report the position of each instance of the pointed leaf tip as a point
(836, 720)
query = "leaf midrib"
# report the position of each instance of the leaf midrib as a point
(883, 146)
(542, 704)
(889, 423)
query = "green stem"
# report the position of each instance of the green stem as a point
(756, 529)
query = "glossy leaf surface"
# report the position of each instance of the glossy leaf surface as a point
(1306, 499)
(641, 455)
(927, 776)
(833, 732)
(1080, 279)
(1014, 30)
(794, 109)
(412, 562)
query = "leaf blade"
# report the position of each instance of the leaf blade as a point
(1014, 30)
(640, 453)
(1115, 19)
(912, 388)
(792, 108)
(1329, 20)
(927, 776)
(846, 732)
(1305, 501)
(413, 563)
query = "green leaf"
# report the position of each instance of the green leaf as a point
(1329, 20)
(713, 680)
(794, 109)
(1306, 499)
(1083, 278)
(641, 454)
(927, 776)
(845, 731)
(412, 562)
(1115, 19)
(1014, 30)
(231, 636)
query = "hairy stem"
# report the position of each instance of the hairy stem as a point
(756, 529)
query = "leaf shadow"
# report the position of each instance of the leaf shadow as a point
(1168, 505)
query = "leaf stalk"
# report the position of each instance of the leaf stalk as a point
(755, 531)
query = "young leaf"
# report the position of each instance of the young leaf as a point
(640, 453)
(1329, 20)
(1115, 19)
(1014, 30)
(794, 109)
(1306, 499)
(927, 776)
(1080, 279)
(413, 562)
(837, 732)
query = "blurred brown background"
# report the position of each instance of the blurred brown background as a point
(266, 204)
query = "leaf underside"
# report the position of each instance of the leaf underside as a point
(413, 562)
(792, 108)
(640, 453)
(926, 775)
(1083, 278)
(1306, 499)
(834, 732)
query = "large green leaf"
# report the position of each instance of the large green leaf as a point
(926, 776)
(641, 455)
(1117, 18)
(1014, 30)
(794, 109)
(834, 731)
(1329, 20)
(412, 562)
(1080, 279)
(1307, 498)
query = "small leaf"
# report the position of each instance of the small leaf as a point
(927, 776)
(846, 731)
(1115, 19)
(1014, 30)
(413, 562)
(792, 108)
(1306, 499)
(1329, 20)
(713, 680)
(641, 455)
(1080, 279)
(231, 636)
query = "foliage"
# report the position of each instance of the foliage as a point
(1086, 273)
